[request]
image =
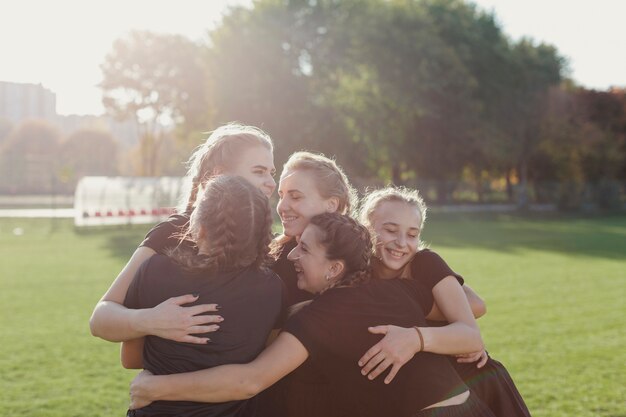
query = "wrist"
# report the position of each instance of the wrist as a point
(419, 339)
(426, 342)
(139, 321)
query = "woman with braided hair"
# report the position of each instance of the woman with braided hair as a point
(231, 149)
(332, 259)
(230, 230)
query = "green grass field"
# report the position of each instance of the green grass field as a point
(555, 289)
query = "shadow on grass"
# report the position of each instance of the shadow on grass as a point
(593, 236)
(120, 241)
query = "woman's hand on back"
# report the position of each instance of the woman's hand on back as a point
(140, 393)
(479, 357)
(398, 346)
(170, 320)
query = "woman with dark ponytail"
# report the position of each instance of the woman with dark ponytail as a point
(225, 261)
(332, 258)
(232, 149)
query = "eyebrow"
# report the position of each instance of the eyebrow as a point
(397, 225)
(264, 168)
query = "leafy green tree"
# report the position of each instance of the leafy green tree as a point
(160, 80)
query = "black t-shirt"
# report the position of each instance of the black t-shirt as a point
(251, 303)
(427, 268)
(167, 234)
(333, 328)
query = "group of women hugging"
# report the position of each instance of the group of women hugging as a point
(344, 314)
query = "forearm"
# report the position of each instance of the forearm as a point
(477, 304)
(452, 339)
(225, 383)
(116, 323)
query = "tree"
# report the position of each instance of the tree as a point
(29, 158)
(159, 80)
(88, 152)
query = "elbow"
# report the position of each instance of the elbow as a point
(250, 389)
(93, 325)
(477, 341)
(480, 309)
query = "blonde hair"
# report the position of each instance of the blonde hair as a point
(373, 200)
(221, 149)
(237, 219)
(330, 181)
(329, 178)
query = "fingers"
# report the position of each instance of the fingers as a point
(194, 339)
(202, 308)
(184, 299)
(202, 329)
(483, 360)
(374, 361)
(206, 319)
(392, 374)
(382, 366)
(374, 350)
(378, 329)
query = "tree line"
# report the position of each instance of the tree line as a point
(428, 93)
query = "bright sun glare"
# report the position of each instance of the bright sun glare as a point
(62, 43)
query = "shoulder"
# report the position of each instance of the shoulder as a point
(429, 267)
(166, 233)
(427, 258)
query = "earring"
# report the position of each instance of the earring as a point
(327, 277)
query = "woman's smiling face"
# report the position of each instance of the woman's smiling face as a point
(309, 257)
(396, 228)
(299, 201)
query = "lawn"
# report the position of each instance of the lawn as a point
(555, 289)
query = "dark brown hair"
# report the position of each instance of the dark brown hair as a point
(236, 220)
(347, 240)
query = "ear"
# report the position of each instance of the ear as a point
(332, 204)
(336, 269)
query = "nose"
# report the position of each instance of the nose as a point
(270, 183)
(401, 240)
(293, 255)
(282, 205)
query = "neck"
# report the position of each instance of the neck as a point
(381, 270)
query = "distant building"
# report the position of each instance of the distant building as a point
(23, 101)
(19, 101)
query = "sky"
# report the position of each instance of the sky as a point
(61, 44)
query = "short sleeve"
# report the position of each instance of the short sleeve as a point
(428, 268)
(132, 299)
(165, 234)
(305, 326)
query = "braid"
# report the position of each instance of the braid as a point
(346, 239)
(236, 220)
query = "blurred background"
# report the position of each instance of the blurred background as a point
(509, 116)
